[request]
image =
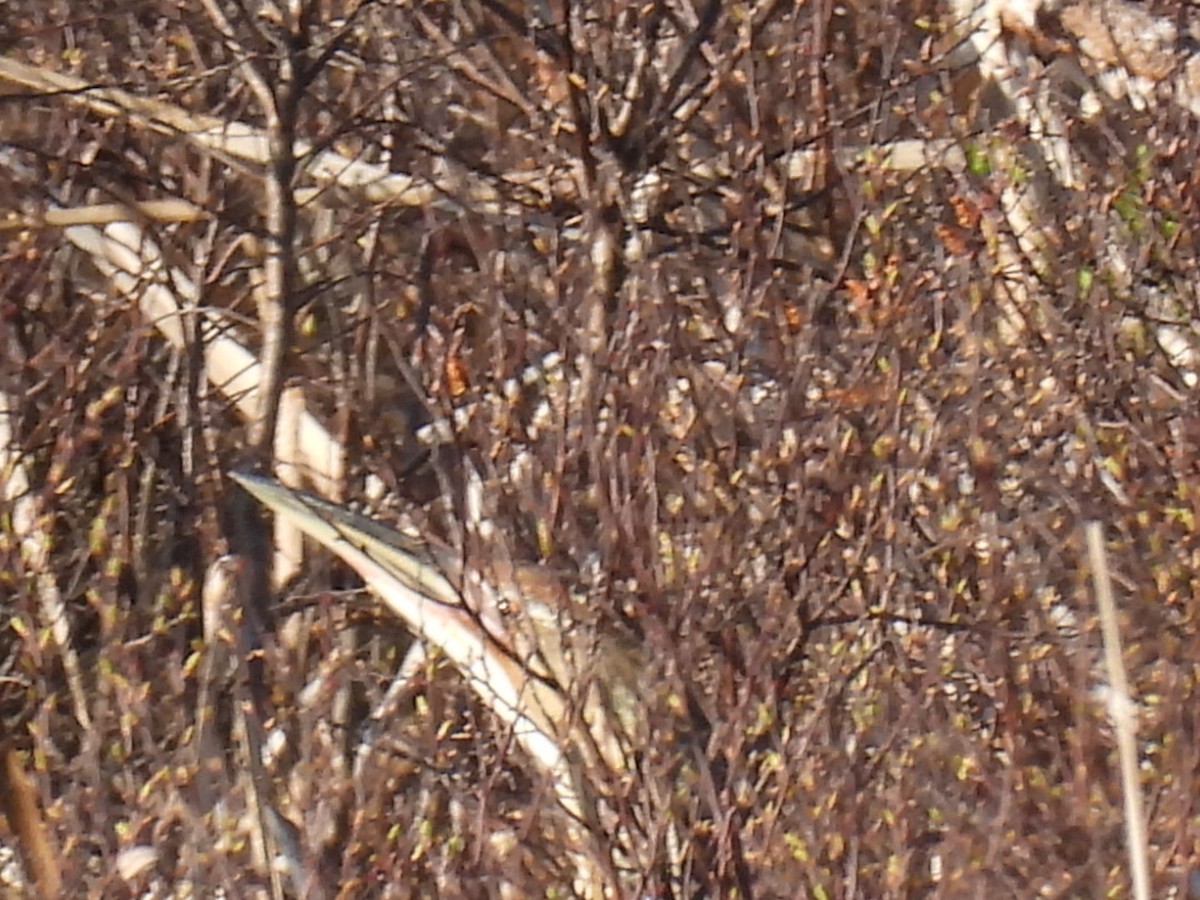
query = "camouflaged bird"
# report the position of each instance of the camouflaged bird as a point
(525, 645)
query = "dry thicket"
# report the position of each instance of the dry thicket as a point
(802, 339)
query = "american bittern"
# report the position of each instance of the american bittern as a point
(569, 692)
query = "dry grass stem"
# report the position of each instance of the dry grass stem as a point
(1122, 709)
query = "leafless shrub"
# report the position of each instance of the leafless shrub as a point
(816, 428)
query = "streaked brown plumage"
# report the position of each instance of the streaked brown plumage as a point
(527, 625)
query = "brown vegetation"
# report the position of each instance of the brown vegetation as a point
(802, 338)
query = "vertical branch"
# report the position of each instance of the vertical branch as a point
(280, 105)
(1120, 710)
(19, 803)
(280, 108)
(279, 268)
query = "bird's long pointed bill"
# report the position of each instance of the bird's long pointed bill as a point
(412, 587)
(328, 524)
